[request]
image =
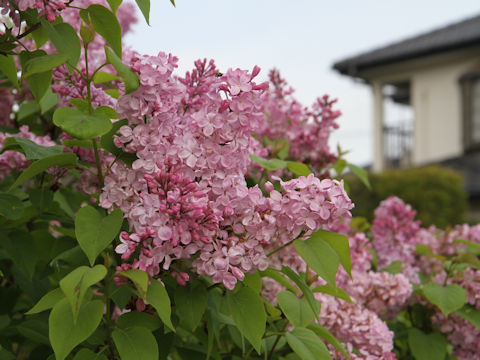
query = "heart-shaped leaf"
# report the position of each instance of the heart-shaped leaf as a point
(427, 346)
(448, 298)
(80, 125)
(296, 310)
(94, 232)
(64, 334)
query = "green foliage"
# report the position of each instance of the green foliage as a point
(307, 345)
(427, 346)
(448, 298)
(80, 125)
(435, 193)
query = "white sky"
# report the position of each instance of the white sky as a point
(302, 38)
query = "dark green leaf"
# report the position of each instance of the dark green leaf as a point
(48, 101)
(106, 24)
(22, 249)
(253, 281)
(48, 301)
(448, 298)
(339, 243)
(34, 329)
(470, 314)
(130, 78)
(41, 198)
(297, 311)
(94, 232)
(27, 109)
(10, 206)
(135, 343)
(327, 335)
(44, 63)
(190, 304)
(135, 318)
(427, 346)
(307, 292)
(248, 312)
(9, 68)
(76, 284)
(360, 173)
(41, 165)
(65, 39)
(298, 168)
(33, 151)
(64, 334)
(334, 291)
(80, 125)
(87, 354)
(144, 6)
(320, 256)
(140, 280)
(38, 83)
(79, 143)
(157, 296)
(307, 344)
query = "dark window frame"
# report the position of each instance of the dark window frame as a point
(467, 82)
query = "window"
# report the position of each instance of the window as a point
(470, 84)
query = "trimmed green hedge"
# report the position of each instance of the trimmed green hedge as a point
(436, 193)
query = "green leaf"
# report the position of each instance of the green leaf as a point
(87, 354)
(65, 39)
(41, 198)
(320, 256)
(140, 280)
(426, 346)
(173, 2)
(143, 319)
(278, 277)
(9, 68)
(328, 336)
(130, 78)
(114, 93)
(34, 329)
(76, 284)
(107, 111)
(307, 292)
(81, 126)
(339, 243)
(360, 173)
(282, 147)
(472, 247)
(157, 296)
(106, 24)
(298, 168)
(135, 343)
(81, 105)
(306, 344)
(144, 6)
(38, 83)
(334, 291)
(44, 63)
(94, 232)
(10, 206)
(48, 301)
(104, 77)
(395, 267)
(114, 4)
(297, 311)
(448, 298)
(470, 314)
(64, 334)
(190, 304)
(48, 101)
(79, 143)
(33, 151)
(253, 281)
(22, 249)
(248, 312)
(272, 164)
(27, 109)
(41, 165)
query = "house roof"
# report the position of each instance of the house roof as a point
(456, 36)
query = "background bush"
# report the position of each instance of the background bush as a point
(436, 193)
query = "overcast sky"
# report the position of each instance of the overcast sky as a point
(302, 38)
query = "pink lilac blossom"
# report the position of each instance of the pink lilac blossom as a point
(14, 161)
(306, 129)
(201, 126)
(47, 8)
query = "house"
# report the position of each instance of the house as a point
(436, 75)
